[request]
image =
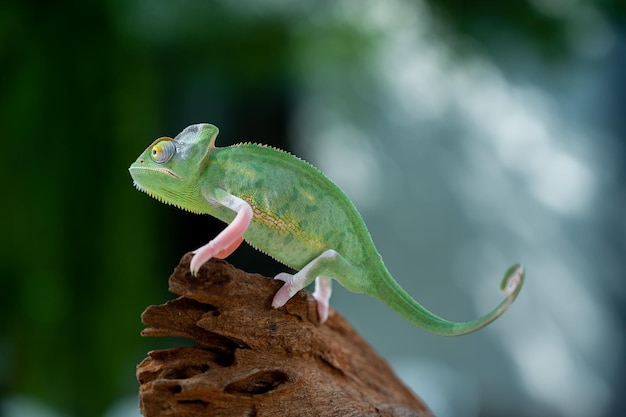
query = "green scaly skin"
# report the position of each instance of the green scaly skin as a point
(298, 216)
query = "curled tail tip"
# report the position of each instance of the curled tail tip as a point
(512, 282)
(510, 286)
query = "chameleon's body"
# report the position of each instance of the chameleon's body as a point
(289, 210)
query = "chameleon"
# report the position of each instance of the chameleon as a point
(289, 210)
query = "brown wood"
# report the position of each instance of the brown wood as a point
(254, 360)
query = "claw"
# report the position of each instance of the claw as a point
(196, 262)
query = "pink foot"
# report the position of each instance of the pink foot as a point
(322, 294)
(287, 291)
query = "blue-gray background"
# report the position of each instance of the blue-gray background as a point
(470, 136)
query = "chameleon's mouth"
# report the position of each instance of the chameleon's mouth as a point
(161, 170)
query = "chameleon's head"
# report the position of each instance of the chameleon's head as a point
(168, 169)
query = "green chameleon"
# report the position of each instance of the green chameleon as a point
(289, 210)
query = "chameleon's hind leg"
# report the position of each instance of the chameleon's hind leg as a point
(329, 264)
(323, 290)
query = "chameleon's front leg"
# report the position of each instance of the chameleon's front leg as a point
(230, 238)
(328, 265)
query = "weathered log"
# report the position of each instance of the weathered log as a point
(253, 360)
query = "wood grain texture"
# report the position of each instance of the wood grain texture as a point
(253, 360)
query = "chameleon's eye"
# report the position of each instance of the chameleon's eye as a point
(163, 151)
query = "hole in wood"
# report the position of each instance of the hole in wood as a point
(258, 383)
(184, 372)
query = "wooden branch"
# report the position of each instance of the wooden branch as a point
(254, 360)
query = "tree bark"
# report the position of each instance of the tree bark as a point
(253, 360)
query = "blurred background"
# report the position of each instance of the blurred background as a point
(470, 136)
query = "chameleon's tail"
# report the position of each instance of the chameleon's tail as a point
(401, 302)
